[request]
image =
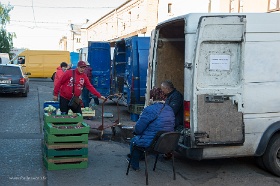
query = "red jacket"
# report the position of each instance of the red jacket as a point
(88, 72)
(65, 84)
(58, 74)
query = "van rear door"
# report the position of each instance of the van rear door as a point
(217, 93)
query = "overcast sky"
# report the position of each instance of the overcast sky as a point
(39, 24)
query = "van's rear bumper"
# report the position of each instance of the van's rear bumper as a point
(191, 153)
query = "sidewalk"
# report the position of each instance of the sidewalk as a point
(107, 157)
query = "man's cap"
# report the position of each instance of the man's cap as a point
(82, 64)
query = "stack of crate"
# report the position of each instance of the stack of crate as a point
(65, 142)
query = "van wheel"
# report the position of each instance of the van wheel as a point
(260, 163)
(271, 157)
(53, 76)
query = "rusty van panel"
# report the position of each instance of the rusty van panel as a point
(219, 122)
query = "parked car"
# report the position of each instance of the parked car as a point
(13, 80)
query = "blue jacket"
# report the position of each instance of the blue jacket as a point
(161, 120)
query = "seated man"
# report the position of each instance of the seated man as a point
(154, 118)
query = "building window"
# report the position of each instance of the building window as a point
(78, 40)
(231, 7)
(209, 6)
(235, 6)
(240, 6)
(169, 8)
(273, 5)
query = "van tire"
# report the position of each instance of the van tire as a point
(271, 157)
(53, 76)
(260, 163)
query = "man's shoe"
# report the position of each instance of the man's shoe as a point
(135, 169)
(142, 158)
(167, 156)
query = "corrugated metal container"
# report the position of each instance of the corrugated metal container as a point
(74, 58)
(99, 58)
(129, 70)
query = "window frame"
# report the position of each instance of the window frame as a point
(277, 8)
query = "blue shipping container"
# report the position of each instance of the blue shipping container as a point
(129, 70)
(99, 58)
(74, 58)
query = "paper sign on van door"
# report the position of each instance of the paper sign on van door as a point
(219, 62)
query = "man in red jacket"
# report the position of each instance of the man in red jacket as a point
(64, 87)
(59, 72)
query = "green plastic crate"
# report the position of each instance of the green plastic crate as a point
(62, 118)
(135, 108)
(58, 138)
(67, 128)
(65, 152)
(65, 163)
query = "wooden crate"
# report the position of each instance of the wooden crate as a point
(65, 163)
(78, 128)
(58, 138)
(62, 118)
(135, 108)
(89, 113)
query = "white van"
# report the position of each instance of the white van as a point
(227, 66)
(4, 58)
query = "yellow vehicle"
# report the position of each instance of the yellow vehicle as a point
(42, 63)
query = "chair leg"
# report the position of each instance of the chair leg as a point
(129, 163)
(146, 169)
(174, 174)
(155, 164)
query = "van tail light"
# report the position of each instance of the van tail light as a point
(187, 111)
(22, 81)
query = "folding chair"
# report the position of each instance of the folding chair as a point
(163, 143)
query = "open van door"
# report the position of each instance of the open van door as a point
(150, 67)
(218, 77)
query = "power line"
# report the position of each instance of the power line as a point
(76, 7)
(33, 14)
(39, 22)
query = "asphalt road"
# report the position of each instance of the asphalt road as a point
(21, 138)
